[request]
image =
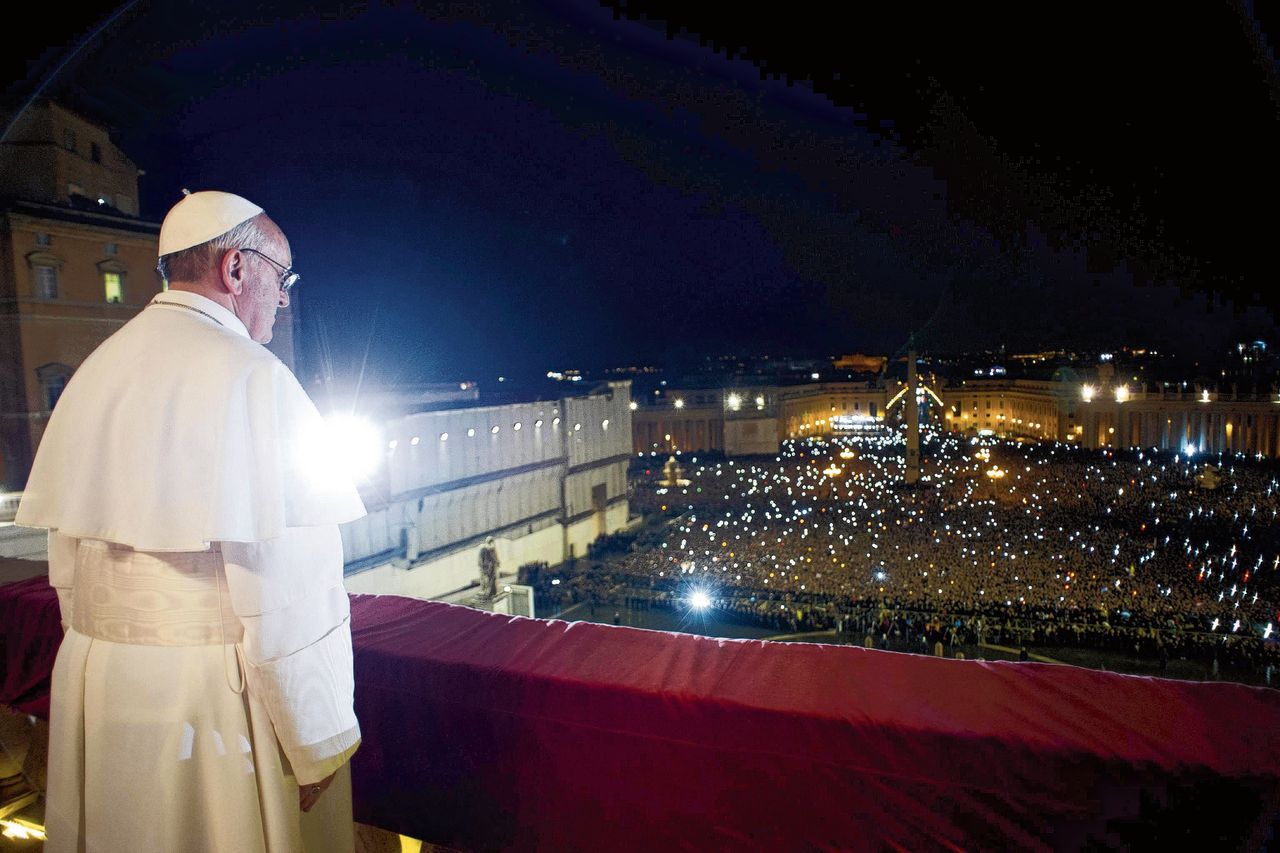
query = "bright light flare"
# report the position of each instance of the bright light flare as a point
(1087, 392)
(699, 600)
(351, 446)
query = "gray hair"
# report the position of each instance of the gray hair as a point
(192, 264)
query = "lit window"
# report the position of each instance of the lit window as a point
(114, 284)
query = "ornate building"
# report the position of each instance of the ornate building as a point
(76, 263)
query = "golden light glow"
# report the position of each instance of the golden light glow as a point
(831, 471)
(679, 403)
(21, 830)
(1087, 392)
(1122, 393)
(995, 472)
(735, 402)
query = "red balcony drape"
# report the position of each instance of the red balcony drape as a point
(489, 732)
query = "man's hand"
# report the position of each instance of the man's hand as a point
(308, 794)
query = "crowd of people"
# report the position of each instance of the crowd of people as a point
(1035, 543)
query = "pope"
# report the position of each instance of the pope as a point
(202, 696)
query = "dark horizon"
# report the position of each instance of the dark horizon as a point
(523, 187)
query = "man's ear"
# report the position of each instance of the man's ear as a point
(231, 271)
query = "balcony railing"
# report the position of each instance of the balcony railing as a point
(486, 732)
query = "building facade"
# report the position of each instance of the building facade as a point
(1096, 413)
(76, 263)
(544, 479)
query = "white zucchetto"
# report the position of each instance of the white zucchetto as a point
(201, 216)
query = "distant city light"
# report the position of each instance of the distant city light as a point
(813, 376)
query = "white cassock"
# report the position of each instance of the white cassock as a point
(193, 510)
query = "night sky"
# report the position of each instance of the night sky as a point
(475, 189)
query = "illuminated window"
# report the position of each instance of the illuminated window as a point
(113, 282)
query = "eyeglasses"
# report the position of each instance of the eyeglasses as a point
(288, 278)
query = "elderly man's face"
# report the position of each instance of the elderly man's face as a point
(262, 297)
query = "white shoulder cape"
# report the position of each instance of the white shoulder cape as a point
(179, 431)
